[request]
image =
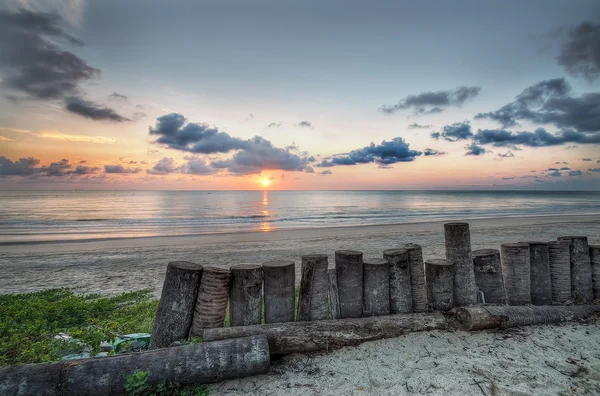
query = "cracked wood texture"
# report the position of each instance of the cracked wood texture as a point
(417, 277)
(400, 288)
(581, 268)
(313, 301)
(488, 275)
(211, 304)
(439, 274)
(458, 250)
(541, 282)
(280, 292)
(560, 270)
(245, 296)
(349, 274)
(376, 290)
(516, 271)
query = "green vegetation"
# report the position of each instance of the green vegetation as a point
(137, 385)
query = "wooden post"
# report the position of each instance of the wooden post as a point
(560, 270)
(439, 274)
(194, 364)
(245, 297)
(541, 283)
(313, 302)
(516, 271)
(211, 303)
(280, 292)
(400, 286)
(349, 273)
(417, 277)
(488, 275)
(334, 297)
(458, 250)
(176, 306)
(581, 268)
(595, 260)
(376, 286)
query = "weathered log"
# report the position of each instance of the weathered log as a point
(245, 297)
(349, 274)
(560, 270)
(541, 282)
(376, 282)
(400, 286)
(514, 258)
(334, 297)
(439, 275)
(581, 268)
(185, 365)
(488, 275)
(458, 250)
(280, 293)
(313, 301)
(595, 260)
(325, 335)
(504, 316)
(417, 277)
(211, 304)
(176, 306)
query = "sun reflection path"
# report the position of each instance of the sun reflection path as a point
(265, 226)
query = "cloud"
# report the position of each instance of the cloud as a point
(433, 102)
(586, 159)
(575, 173)
(580, 52)
(120, 169)
(275, 124)
(551, 102)
(5, 139)
(21, 167)
(428, 152)
(197, 166)
(508, 154)
(454, 132)
(419, 126)
(164, 167)
(556, 173)
(310, 169)
(92, 110)
(564, 168)
(473, 149)
(594, 170)
(305, 124)
(117, 97)
(55, 135)
(28, 166)
(386, 153)
(325, 173)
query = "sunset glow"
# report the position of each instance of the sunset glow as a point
(265, 182)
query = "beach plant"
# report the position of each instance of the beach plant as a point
(137, 385)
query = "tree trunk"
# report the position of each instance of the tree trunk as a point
(280, 292)
(376, 282)
(176, 306)
(458, 251)
(334, 297)
(560, 270)
(439, 274)
(349, 273)
(325, 335)
(581, 268)
(488, 275)
(541, 283)
(417, 277)
(516, 272)
(313, 302)
(489, 317)
(211, 304)
(400, 286)
(595, 260)
(185, 365)
(245, 297)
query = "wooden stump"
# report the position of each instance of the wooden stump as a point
(595, 260)
(541, 282)
(560, 270)
(516, 270)
(458, 250)
(334, 297)
(417, 277)
(280, 293)
(400, 286)
(176, 306)
(245, 297)
(313, 302)
(211, 303)
(439, 274)
(488, 275)
(349, 273)
(581, 268)
(193, 364)
(376, 282)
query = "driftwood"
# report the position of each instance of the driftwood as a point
(417, 277)
(400, 289)
(581, 268)
(349, 273)
(595, 260)
(489, 317)
(376, 295)
(458, 251)
(325, 335)
(540, 282)
(211, 304)
(439, 274)
(334, 298)
(516, 272)
(185, 365)
(313, 301)
(560, 270)
(488, 275)
(280, 293)
(176, 306)
(245, 297)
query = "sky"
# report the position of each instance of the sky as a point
(338, 94)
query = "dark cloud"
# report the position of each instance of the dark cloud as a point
(275, 124)
(433, 102)
(310, 169)
(556, 173)
(21, 167)
(164, 167)
(428, 152)
(28, 166)
(575, 173)
(386, 153)
(473, 149)
(454, 132)
(586, 159)
(539, 138)
(580, 53)
(558, 163)
(551, 102)
(594, 170)
(564, 168)
(508, 154)
(120, 169)
(117, 97)
(197, 166)
(304, 124)
(509, 178)
(325, 173)
(85, 170)
(92, 110)
(419, 126)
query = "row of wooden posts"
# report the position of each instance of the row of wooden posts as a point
(195, 298)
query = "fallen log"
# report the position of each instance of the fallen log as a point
(325, 335)
(505, 316)
(185, 365)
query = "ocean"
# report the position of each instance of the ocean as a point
(55, 216)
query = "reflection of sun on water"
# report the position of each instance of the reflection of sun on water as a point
(265, 226)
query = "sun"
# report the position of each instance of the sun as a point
(265, 182)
